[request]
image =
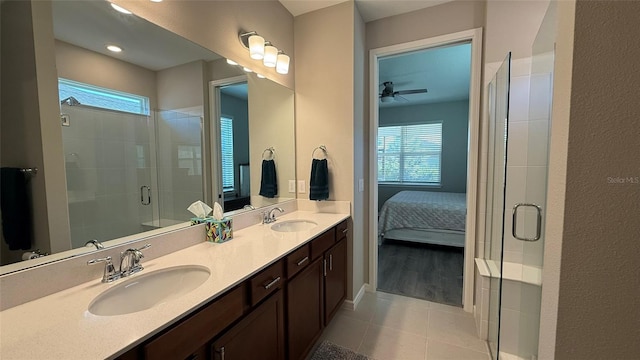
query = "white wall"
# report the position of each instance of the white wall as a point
(333, 118)
(271, 119)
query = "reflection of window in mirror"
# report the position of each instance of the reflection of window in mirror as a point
(104, 98)
(226, 143)
(190, 158)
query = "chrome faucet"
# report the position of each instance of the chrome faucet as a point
(95, 243)
(110, 274)
(130, 261)
(129, 264)
(269, 216)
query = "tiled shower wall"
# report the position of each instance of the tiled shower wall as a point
(107, 160)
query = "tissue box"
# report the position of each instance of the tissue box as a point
(217, 230)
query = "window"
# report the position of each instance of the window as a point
(410, 153)
(103, 98)
(226, 143)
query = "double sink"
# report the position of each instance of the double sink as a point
(145, 291)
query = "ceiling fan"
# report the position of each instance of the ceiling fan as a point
(388, 95)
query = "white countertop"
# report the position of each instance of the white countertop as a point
(59, 326)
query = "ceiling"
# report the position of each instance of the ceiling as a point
(92, 24)
(369, 9)
(444, 71)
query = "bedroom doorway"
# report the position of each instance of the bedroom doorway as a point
(424, 139)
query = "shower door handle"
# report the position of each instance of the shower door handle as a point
(514, 224)
(143, 200)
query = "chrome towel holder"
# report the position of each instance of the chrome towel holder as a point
(321, 147)
(271, 151)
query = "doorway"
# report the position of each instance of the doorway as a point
(411, 150)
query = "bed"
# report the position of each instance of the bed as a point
(424, 216)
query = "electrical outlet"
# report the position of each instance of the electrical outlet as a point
(361, 185)
(301, 187)
(292, 186)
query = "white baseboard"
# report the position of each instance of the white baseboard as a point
(353, 304)
(369, 288)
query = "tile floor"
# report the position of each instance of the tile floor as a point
(387, 326)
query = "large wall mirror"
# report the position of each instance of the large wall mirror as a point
(147, 130)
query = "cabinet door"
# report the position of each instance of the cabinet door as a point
(260, 335)
(335, 280)
(305, 310)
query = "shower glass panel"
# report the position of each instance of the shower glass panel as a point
(497, 157)
(539, 121)
(179, 163)
(108, 163)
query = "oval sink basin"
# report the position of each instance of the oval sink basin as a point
(148, 290)
(294, 225)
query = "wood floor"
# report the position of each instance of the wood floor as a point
(423, 271)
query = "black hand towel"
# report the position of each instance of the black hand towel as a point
(269, 181)
(319, 183)
(16, 209)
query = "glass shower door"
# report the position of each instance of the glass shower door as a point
(497, 161)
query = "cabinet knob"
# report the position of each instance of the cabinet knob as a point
(221, 352)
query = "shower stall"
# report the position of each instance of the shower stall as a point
(128, 173)
(519, 123)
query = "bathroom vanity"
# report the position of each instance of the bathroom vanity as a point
(269, 295)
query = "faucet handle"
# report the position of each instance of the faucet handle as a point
(110, 274)
(130, 260)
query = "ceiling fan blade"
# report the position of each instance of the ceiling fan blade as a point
(407, 92)
(400, 98)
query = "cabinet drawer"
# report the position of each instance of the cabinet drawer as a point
(191, 334)
(266, 282)
(298, 260)
(322, 243)
(342, 230)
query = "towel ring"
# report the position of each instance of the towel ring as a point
(271, 150)
(321, 147)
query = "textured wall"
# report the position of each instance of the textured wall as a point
(599, 282)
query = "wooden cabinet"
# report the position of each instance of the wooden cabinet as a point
(253, 321)
(335, 279)
(260, 335)
(186, 338)
(305, 319)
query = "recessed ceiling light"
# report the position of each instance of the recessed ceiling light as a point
(114, 48)
(231, 62)
(261, 76)
(120, 9)
(247, 69)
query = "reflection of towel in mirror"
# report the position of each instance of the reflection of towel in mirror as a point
(15, 202)
(319, 183)
(269, 181)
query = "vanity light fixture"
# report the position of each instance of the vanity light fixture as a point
(231, 62)
(114, 48)
(256, 47)
(282, 64)
(120, 9)
(261, 49)
(156, 1)
(247, 69)
(261, 76)
(270, 55)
